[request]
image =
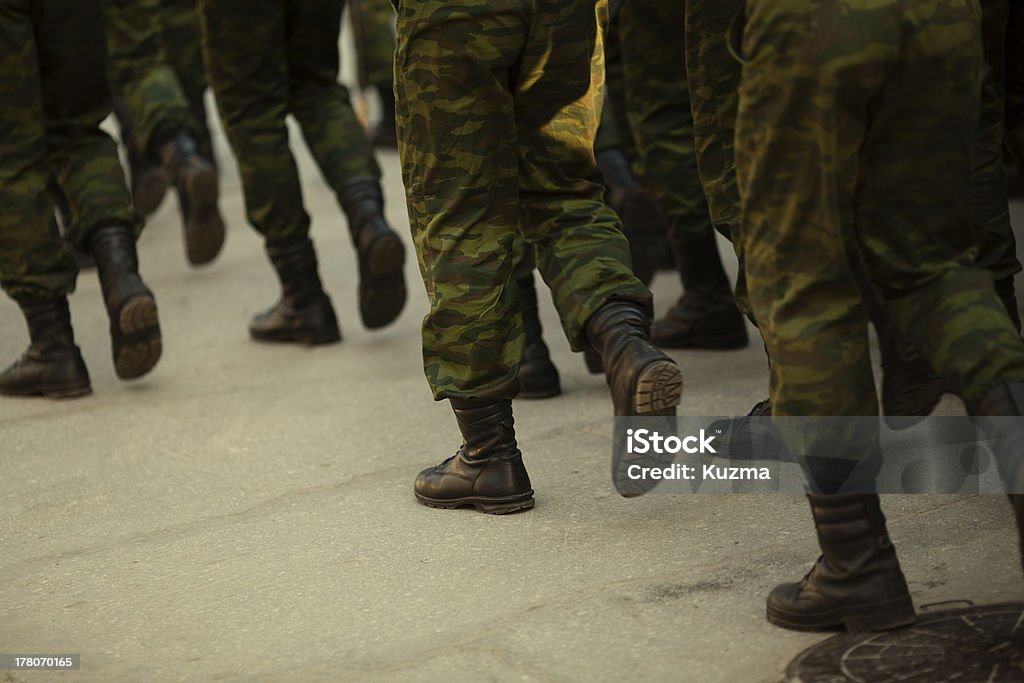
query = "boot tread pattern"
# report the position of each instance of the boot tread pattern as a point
(659, 388)
(140, 345)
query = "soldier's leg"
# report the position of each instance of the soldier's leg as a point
(373, 23)
(801, 124)
(246, 50)
(342, 151)
(658, 105)
(538, 376)
(76, 100)
(990, 219)
(182, 43)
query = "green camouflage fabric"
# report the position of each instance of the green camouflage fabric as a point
(53, 86)
(997, 248)
(498, 107)
(183, 52)
(1015, 81)
(657, 100)
(859, 118)
(613, 131)
(146, 86)
(713, 76)
(373, 29)
(265, 61)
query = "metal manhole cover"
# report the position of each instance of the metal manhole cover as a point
(984, 643)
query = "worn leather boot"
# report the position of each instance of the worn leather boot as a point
(538, 377)
(381, 254)
(857, 582)
(304, 314)
(487, 472)
(1006, 400)
(195, 180)
(642, 379)
(642, 222)
(705, 316)
(52, 366)
(134, 324)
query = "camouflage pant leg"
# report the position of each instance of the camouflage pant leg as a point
(658, 106)
(373, 24)
(246, 52)
(613, 132)
(146, 85)
(997, 249)
(713, 75)
(184, 53)
(318, 102)
(33, 264)
(1015, 82)
(802, 123)
(518, 113)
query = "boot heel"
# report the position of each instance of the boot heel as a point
(659, 389)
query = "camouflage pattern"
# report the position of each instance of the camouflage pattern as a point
(267, 60)
(498, 108)
(373, 28)
(658, 107)
(997, 249)
(1015, 81)
(147, 87)
(54, 89)
(183, 52)
(859, 120)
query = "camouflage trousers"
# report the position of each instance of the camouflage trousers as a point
(151, 99)
(373, 24)
(860, 122)
(53, 87)
(997, 249)
(657, 99)
(265, 61)
(183, 51)
(498, 108)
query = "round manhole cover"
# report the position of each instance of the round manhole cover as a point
(983, 643)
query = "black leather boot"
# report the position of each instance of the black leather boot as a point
(857, 582)
(195, 180)
(705, 316)
(642, 379)
(134, 324)
(381, 253)
(538, 377)
(642, 221)
(487, 472)
(304, 314)
(1006, 400)
(52, 366)
(149, 183)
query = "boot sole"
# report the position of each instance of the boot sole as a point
(490, 506)
(307, 339)
(204, 226)
(382, 292)
(878, 616)
(139, 345)
(52, 391)
(659, 389)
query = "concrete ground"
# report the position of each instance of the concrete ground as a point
(246, 511)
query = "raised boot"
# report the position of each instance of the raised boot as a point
(381, 254)
(134, 325)
(149, 183)
(642, 379)
(52, 366)
(487, 472)
(538, 377)
(705, 316)
(304, 314)
(195, 180)
(1005, 402)
(856, 583)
